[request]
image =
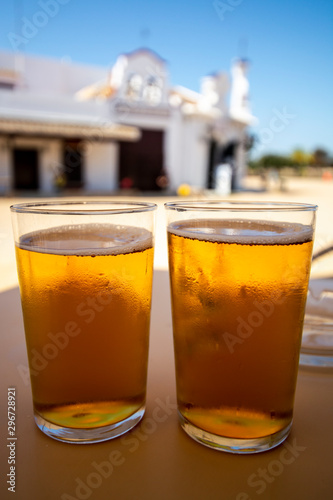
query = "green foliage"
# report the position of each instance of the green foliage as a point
(320, 157)
(271, 161)
(300, 157)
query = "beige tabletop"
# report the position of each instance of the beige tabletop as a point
(157, 460)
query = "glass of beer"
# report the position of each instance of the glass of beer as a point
(85, 273)
(239, 276)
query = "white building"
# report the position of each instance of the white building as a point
(102, 129)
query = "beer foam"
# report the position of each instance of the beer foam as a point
(243, 232)
(88, 239)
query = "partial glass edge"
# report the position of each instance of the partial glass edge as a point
(233, 445)
(239, 206)
(89, 436)
(315, 361)
(45, 208)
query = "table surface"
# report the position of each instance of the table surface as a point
(157, 460)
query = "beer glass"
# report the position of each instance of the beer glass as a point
(239, 276)
(85, 274)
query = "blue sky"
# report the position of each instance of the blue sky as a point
(289, 44)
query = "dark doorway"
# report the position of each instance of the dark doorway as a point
(25, 163)
(219, 154)
(141, 162)
(73, 163)
(229, 156)
(213, 148)
(228, 152)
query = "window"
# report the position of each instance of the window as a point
(134, 87)
(25, 169)
(7, 85)
(152, 92)
(73, 163)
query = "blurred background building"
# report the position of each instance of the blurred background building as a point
(101, 130)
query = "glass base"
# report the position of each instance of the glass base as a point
(233, 445)
(92, 435)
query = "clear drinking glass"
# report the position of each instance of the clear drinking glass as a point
(85, 273)
(317, 341)
(239, 276)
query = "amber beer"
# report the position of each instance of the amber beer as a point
(86, 295)
(238, 296)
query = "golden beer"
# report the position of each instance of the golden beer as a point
(238, 292)
(86, 293)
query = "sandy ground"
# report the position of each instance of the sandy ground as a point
(317, 191)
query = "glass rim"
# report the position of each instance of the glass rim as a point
(239, 206)
(110, 207)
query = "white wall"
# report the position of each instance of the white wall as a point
(194, 153)
(50, 159)
(5, 170)
(25, 105)
(174, 146)
(101, 166)
(50, 76)
(241, 158)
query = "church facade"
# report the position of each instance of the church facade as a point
(64, 125)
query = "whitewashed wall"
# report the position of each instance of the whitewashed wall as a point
(192, 153)
(50, 158)
(174, 147)
(48, 76)
(5, 170)
(101, 166)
